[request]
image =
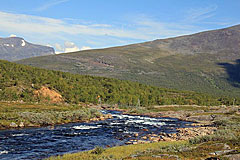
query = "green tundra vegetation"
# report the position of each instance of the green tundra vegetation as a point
(15, 114)
(18, 83)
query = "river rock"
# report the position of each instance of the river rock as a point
(233, 156)
(166, 156)
(218, 153)
(142, 142)
(21, 124)
(93, 119)
(154, 135)
(13, 125)
(108, 116)
(154, 139)
(201, 118)
(226, 146)
(136, 135)
(102, 118)
(167, 139)
(128, 142)
(133, 140)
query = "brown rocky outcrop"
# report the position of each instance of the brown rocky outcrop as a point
(49, 94)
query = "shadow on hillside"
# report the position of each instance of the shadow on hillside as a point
(233, 71)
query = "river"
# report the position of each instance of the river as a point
(39, 143)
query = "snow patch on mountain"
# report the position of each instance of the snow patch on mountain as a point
(23, 43)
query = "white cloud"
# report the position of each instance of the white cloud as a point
(199, 14)
(50, 4)
(42, 25)
(69, 44)
(71, 49)
(85, 48)
(67, 47)
(12, 35)
(155, 29)
(44, 30)
(49, 45)
(143, 28)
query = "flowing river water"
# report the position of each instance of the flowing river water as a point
(39, 143)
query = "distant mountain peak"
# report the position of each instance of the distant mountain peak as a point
(16, 48)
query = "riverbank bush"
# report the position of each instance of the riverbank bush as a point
(43, 114)
(228, 132)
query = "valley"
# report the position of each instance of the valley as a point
(174, 98)
(62, 106)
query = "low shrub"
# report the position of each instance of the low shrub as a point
(98, 150)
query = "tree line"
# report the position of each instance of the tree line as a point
(18, 82)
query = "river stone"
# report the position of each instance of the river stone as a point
(102, 118)
(128, 142)
(166, 156)
(14, 125)
(142, 142)
(233, 156)
(136, 135)
(226, 146)
(218, 153)
(201, 118)
(167, 139)
(154, 135)
(21, 124)
(154, 139)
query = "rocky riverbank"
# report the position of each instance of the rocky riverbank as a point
(200, 115)
(205, 118)
(182, 134)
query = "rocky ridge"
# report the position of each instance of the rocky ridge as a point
(16, 48)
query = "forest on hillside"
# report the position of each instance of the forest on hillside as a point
(18, 82)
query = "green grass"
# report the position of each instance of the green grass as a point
(119, 152)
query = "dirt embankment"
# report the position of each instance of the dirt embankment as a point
(49, 94)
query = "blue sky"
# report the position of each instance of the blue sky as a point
(70, 25)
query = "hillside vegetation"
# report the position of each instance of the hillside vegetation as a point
(20, 82)
(206, 62)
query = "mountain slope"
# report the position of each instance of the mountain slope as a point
(19, 82)
(15, 48)
(200, 62)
